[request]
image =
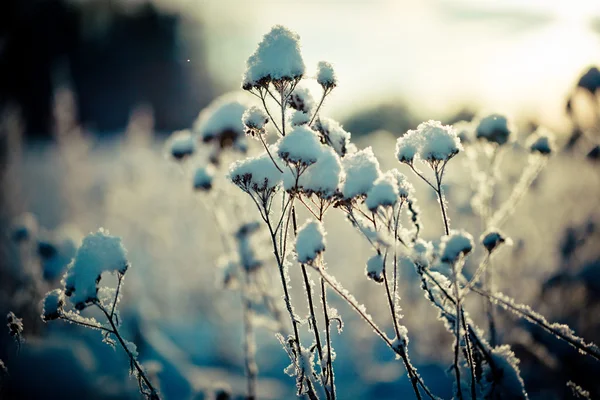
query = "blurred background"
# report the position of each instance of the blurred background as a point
(90, 90)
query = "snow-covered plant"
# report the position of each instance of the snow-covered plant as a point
(100, 254)
(307, 164)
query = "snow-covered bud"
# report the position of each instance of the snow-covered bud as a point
(493, 239)
(310, 241)
(99, 253)
(494, 128)
(326, 75)
(203, 177)
(54, 302)
(384, 192)
(334, 135)
(362, 170)
(15, 325)
(300, 147)
(302, 100)
(299, 118)
(405, 188)
(375, 266)
(431, 141)
(454, 245)
(181, 144)
(255, 119)
(255, 173)
(541, 141)
(277, 58)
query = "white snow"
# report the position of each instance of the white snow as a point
(384, 192)
(98, 253)
(361, 169)
(255, 118)
(203, 177)
(422, 252)
(299, 118)
(541, 141)
(326, 76)
(53, 304)
(405, 188)
(222, 119)
(493, 128)
(256, 173)
(375, 266)
(464, 131)
(300, 146)
(431, 141)
(310, 241)
(181, 144)
(336, 136)
(302, 100)
(322, 178)
(455, 244)
(277, 57)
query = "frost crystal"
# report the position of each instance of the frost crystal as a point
(334, 135)
(98, 253)
(255, 118)
(494, 129)
(276, 58)
(53, 304)
(221, 122)
(375, 267)
(541, 141)
(326, 75)
(203, 177)
(310, 241)
(455, 244)
(255, 173)
(384, 192)
(510, 385)
(362, 169)
(181, 144)
(301, 146)
(302, 100)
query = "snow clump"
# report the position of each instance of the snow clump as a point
(310, 241)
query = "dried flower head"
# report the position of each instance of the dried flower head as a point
(541, 141)
(181, 144)
(300, 147)
(492, 239)
(431, 141)
(53, 303)
(375, 266)
(301, 100)
(494, 128)
(310, 241)
(326, 76)
(203, 177)
(454, 245)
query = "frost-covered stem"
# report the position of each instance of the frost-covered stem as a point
(74, 321)
(269, 153)
(456, 327)
(313, 318)
(262, 98)
(249, 345)
(115, 331)
(488, 285)
(578, 343)
(325, 93)
(283, 103)
(440, 195)
(328, 337)
(114, 304)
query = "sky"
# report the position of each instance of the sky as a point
(516, 57)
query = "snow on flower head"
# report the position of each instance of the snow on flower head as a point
(362, 169)
(221, 122)
(299, 118)
(255, 173)
(383, 193)
(375, 267)
(454, 245)
(53, 304)
(255, 119)
(203, 177)
(301, 146)
(310, 241)
(181, 144)
(334, 135)
(494, 128)
(277, 58)
(541, 141)
(321, 178)
(301, 100)
(99, 253)
(494, 238)
(405, 188)
(326, 75)
(431, 141)
(422, 252)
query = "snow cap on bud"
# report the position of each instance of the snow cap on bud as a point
(255, 173)
(203, 177)
(301, 100)
(431, 141)
(454, 245)
(541, 141)
(362, 170)
(301, 146)
(181, 144)
(384, 192)
(54, 302)
(310, 241)
(255, 119)
(494, 238)
(326, 76)
(375, 266)
(494, 128)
